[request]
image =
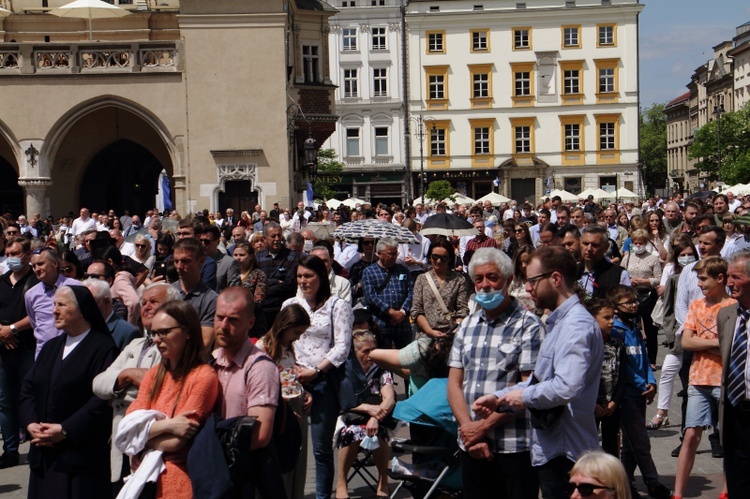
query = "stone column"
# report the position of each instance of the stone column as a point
(36, 195)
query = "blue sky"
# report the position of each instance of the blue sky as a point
(677, 36)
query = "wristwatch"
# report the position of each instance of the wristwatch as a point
(13, 330)
(318, 372)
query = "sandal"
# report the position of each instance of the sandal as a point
(657, 422)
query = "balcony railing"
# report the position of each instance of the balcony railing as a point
(88, 58)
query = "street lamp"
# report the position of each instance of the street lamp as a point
(718, 111)
(420, 121)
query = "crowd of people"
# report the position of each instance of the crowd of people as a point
(123, 339)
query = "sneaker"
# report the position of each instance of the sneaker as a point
(716, 449)
(8, 460)
(676, 451)
(660, 491)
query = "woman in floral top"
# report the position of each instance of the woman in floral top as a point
(319, 351)
(452, 287)
(255, 281)
(518, 287)
(289, 325)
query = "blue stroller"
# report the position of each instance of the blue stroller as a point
(433, 447)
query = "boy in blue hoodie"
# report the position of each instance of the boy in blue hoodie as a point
(640, 389)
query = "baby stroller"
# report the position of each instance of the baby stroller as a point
(433, 470)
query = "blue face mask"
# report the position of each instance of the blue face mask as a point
(491, 300)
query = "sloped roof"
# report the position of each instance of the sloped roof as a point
(679, 99)
(314, 5)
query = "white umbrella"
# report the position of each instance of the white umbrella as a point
(459, 198)
(419, 200)
(353, 202)
(623, 193)
(602, 194)
(4, 13)
(742, 190)
(333, 203)
(89, 9)
(564, 195)
(494, 198)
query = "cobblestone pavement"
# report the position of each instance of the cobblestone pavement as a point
(705, 482)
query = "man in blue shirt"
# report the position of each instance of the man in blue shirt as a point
(387, 292)
(567, 374)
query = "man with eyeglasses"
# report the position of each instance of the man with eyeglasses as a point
(227, 268)
(495, 347)
(279, 264)
(561, 393)
(120, 382)
(387, 292)
(135, 226)
(16, 343)
(596, 274)
(39, 299)
(103, 271)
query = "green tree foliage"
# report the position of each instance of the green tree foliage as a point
(439, 190)
(653, 132)
(328, 166)
(734, 135)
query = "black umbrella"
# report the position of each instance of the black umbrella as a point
(446, 224)
(702, 195)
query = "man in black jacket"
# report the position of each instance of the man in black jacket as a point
(597, 274)
(279, 264)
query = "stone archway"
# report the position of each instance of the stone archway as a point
(11, 194)
(103, 154)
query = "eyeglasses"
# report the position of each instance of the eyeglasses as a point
(632, 301)
(13, 233)
(162, 333)
(94, 276)
(41, 250)
(585, 489)
(65, 270)
(534, 280)
(441, 258)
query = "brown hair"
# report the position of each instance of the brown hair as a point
(617, 293)
(292, 316)
(191, 357)
(557, 259)
(712, 265)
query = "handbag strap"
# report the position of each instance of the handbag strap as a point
(435, 291)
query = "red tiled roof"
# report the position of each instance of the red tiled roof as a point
(679, 99)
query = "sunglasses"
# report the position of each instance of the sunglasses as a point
(140, 245)
(65, 270)
(518, 231)
(207, 241)
(585, 489)
(441, 258)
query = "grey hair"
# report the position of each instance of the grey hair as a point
(737, 256)
(588, 216)
(386, 242)
(596, 230)
(142, 237)
(65, 290)
(173, 293)
(491, 256)
(269, 226)
(99, 289)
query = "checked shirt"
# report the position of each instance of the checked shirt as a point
(492, 355)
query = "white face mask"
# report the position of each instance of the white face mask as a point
(639, 250)
(685, 260)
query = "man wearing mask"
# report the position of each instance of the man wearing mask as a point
(566, 375)
(16, 342)
(135, 226)
(495, 452)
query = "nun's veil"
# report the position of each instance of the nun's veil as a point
(89, 309)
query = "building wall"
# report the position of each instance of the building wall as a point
(547, 108)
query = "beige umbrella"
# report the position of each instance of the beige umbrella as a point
(89, 9)
(494, 198)
(4, 13)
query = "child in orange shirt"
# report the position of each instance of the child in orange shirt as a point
(700, 334)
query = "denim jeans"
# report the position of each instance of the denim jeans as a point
(554, 476)
(15, 365)
(636, 446)
(323, 415)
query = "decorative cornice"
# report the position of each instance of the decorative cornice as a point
(237, 153)
(32, 183)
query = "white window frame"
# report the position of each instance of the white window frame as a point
(351, 83)
(571, 36)
(606, 80)
(522, 82)
(379, 38)
(379, 82)
(311, 63)
(436, 42)
(482, 140)
(438, 142)
(437, 87)
(571, 81)
(607, 136)
(479, 41)
(521, 38)
(606, 35)
(382, 141)
(353, 145)
(572, 137)
(523, 139)
(480, 85)
(349, 39)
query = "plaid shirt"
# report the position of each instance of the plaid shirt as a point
(492, 355)
(397, 295)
